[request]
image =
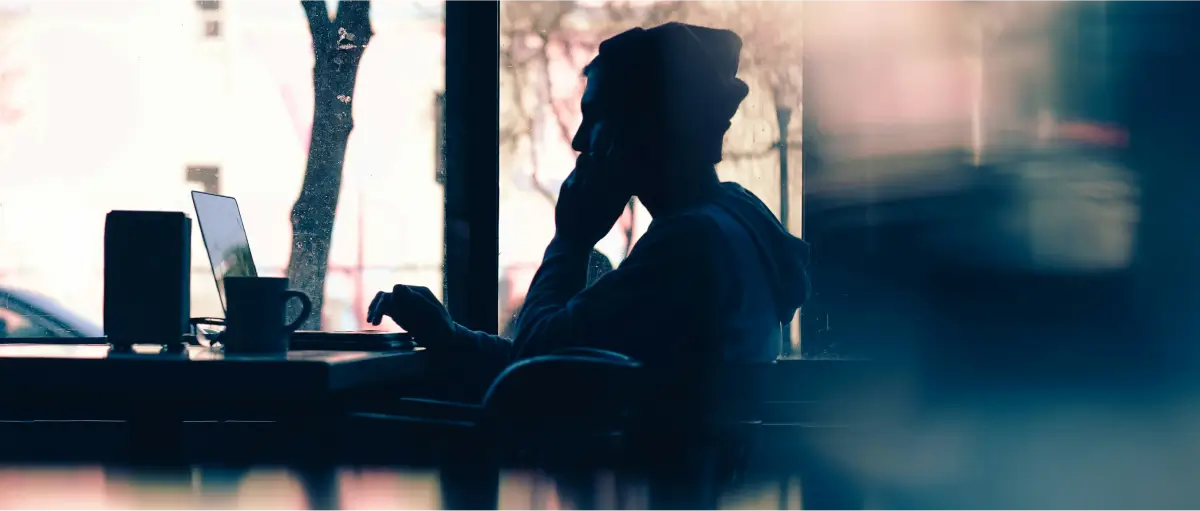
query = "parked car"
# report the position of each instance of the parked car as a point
(25, 314)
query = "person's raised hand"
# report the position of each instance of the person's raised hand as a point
(417, 311)
(590, 201)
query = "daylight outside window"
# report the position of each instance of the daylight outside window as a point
(126, 110)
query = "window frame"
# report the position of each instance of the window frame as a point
(472, 161)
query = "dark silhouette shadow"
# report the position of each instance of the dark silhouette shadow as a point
(671, 338)
(715, 270)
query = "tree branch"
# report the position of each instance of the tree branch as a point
(534, 161)
(545, 18)
(517, 90)
(354, 24)
(662, 12)
(319, 24)
(546, 89)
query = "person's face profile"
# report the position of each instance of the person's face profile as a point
(590, 136)
(606, 132)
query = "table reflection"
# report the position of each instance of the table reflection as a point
(59, 350)
(95, 487)
(155, 352)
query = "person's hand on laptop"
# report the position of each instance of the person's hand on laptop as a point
(417, 311)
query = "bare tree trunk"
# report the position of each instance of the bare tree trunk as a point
(338, 46)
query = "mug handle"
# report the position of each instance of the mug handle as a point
(305, 310)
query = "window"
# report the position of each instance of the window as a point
(208, 177)
(210, 11)
(899, 134)
(212, 28)
(544, 47)
(106, 116)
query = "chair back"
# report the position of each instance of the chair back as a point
(572, 392)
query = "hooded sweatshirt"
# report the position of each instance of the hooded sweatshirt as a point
(716, 280)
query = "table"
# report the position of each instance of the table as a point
(157, 392)
(93, 371)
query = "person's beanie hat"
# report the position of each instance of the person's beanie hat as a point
(686, 73)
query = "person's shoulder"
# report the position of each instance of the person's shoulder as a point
(698, 221)
(693, 232)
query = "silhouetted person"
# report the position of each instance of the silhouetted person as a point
(714, 268)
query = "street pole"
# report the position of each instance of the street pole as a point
(783, 115)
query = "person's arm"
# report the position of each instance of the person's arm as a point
(421, 314)
(491, 347)
(638, 309)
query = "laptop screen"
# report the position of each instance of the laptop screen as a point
(224, 237)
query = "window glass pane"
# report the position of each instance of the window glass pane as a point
(138, 102)
(544, 47)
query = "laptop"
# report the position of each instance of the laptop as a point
(229, 253)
